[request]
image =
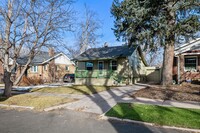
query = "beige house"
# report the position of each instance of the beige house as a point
(110, 66)
(47, 66)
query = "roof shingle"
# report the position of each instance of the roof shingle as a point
(106, 53)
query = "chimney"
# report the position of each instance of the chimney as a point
(51, 52)
(105, 45)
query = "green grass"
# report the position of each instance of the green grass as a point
(38, 102)
(170, 116)
(76, 89)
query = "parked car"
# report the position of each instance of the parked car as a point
(69, 78)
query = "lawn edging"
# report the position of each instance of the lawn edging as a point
(103, 117)
(16, 106)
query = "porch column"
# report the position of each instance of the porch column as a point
(181, 70)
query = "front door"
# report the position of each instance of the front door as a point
(100, 67)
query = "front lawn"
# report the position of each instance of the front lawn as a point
(170, 116)
(76, 89)
(38, 102)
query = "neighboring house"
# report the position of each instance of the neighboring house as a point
(110, 66)
(47, 66)
(187, 62)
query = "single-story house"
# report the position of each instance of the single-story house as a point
(187, 62)
(48, 66)
(110, 66)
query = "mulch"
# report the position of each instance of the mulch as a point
(183, 92)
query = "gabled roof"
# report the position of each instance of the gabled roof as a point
(41, 58)
(106, 53)
(192, 45)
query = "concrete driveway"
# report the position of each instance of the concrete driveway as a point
(101, 102)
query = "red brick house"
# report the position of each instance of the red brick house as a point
(187, 62)
(47, 66)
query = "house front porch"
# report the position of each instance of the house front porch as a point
(100, 77)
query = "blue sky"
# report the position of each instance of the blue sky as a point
(102, 8)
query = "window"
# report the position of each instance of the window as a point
(113, 65)
(89, 65)
(45, 67)
(34, 69)
(190, 63)
(101, 65)
(67, 68)
(57, 68)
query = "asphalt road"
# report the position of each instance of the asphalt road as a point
(66, 121)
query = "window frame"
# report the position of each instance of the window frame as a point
(111, 65)
(45, 67)
(102, 65)
(90, 67)
(67, 66)
(185, 63)
(33, 70)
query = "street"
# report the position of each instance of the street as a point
(66, 121)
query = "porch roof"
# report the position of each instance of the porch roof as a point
(191, 47)
(104, 53)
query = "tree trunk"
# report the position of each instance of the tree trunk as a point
(8, 84)
(21, 74)
(168, 64)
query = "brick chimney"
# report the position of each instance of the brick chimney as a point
(105, 45)
(52, 66)
(51, 52)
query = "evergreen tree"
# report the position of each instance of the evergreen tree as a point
(156, 23)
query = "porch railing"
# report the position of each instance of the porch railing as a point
(94, 73)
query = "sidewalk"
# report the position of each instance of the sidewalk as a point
(189, 104)
(102, 102)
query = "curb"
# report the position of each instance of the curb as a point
(16, 106)
(103, 117)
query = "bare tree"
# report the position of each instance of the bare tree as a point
(155, 57)
(32, 24)
(87, 33)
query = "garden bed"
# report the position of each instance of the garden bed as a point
(184, 92)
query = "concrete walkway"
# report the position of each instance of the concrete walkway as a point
(102, 102)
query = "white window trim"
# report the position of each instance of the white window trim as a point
(191, 57)
(33, 70)
(102, 64)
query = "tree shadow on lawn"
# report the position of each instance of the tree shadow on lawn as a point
(103, 104)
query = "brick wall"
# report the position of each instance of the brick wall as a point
(46, 74)
(185, 75)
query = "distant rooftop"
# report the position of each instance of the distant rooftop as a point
(38, 59)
